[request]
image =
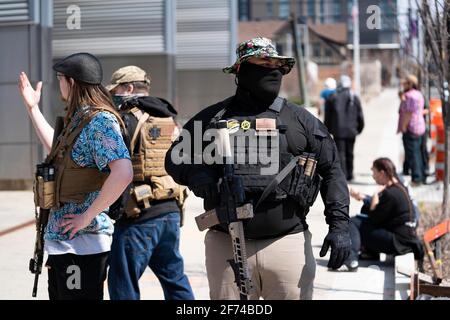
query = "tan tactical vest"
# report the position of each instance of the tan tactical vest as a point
(72, 182)
(150, 141)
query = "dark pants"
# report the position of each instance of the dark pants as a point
(155, 243)
(425, 155)
(365, 235)
(414, 156)
(75, 277)
(345, 148)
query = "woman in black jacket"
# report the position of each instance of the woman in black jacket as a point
(387, 223)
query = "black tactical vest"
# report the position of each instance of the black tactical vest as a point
(260, 149)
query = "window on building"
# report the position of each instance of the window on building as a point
(312, 10)
(284, 9)
(269, 4)
(322, 11)
(337, 12)
(244, 10)
(388, 16)
(316, 49)
(328, 52)
(301, 9)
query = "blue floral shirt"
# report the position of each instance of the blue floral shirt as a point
(99, 143)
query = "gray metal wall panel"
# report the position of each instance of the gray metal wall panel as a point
(17, 50)
(27, 50)
(198, 89)
(14, 121)
(204, 35)
(16, 161)
(14, 11)
(114, 27)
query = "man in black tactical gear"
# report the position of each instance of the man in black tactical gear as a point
(278, 241)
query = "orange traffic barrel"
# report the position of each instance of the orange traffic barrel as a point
(440, 153)
(436, 121)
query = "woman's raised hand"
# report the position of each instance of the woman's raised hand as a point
(30, 96)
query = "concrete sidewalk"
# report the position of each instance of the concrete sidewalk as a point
(372, 281)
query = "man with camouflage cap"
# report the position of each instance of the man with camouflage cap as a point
(147, 229)
(280, 257)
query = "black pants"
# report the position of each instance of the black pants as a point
(345, 148)
(77, 277)
(365, 235)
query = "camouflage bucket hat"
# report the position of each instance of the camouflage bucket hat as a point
(258, 47)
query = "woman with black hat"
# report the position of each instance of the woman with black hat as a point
(92, 169)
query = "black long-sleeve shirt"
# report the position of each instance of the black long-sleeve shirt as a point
(304, 133)
(393, 211)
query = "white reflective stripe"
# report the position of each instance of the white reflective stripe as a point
(440, 147)
(439, 166)
(411, 224)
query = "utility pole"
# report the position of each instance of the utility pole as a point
(356, 52)
(300, 59)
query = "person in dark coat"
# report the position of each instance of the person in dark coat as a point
(345, 120)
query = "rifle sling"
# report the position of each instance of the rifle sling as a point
(277, 180)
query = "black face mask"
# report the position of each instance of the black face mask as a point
(262, 83)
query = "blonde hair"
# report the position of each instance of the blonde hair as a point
(412, 80)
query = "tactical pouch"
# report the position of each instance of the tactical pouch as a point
(131, 207)
(303, 188)
(181, 200)
(138, 163)
(314, 190)
(164, 187)
(144, 194)
(298, 189)
(44, 193)
(140, 194)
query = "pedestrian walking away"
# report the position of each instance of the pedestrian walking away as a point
(345, 120)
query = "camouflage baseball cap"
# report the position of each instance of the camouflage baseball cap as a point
(258, 47)
(128, 74)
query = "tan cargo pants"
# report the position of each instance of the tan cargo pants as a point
(280, 269)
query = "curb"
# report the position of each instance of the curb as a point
(402, 281)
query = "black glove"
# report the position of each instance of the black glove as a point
(340, 248)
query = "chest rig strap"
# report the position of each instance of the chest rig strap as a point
(275, 107)
(142, 117)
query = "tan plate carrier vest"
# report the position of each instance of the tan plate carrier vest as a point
(150, 141)
(72, 183)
